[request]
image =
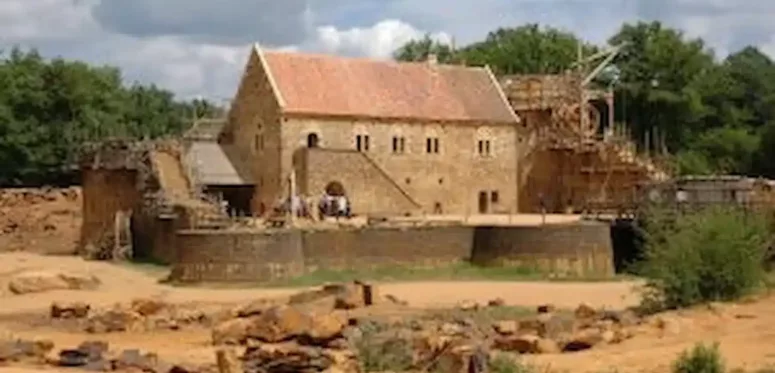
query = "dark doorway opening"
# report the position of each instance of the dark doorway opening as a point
(313, 141)
(484, 202)
(237, 197)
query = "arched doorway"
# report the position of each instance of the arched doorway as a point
(313, 140)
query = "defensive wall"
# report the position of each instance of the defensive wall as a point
(580, 249)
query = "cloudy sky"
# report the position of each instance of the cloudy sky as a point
(198, 47)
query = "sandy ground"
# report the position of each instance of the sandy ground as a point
(746, 332)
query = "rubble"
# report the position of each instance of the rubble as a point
(40, 220)
(74, 310)
(142, 315)
(27, 351)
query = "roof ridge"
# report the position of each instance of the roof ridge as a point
(368, 59)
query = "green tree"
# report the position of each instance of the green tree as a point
(419, 50)
(659, 73)
(49, 108)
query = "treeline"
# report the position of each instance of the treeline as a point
(715, 115)
(48, 108)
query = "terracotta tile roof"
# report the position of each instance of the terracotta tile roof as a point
(329, 85)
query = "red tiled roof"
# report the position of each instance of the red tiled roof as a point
(329, 85)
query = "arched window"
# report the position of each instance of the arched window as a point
(312, 140)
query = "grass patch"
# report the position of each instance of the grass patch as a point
(700, 359)
(455, 272)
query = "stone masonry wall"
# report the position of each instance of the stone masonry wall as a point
(237, 256)
(105, 192)
(251, 256)
(364, 248)
(369, 188)
(453, 177)
(254, 127)
(578, 249)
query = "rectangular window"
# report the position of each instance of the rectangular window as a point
(398, 144)
(358, 144)
(494, 197)
(481, 147)
(484, 147)
(487, 147)
(432, 145)
(366, 142)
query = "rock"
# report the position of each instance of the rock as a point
(584, 340)
(279, 324)
(547, 346)
(506, 327)
(134, 359)
(75, 310)
(464, 358)
(228, 362)
(25, 350)
(233, 331)
(497, 302)
(42, 281)
(523, 344)
(285, 357)
(254, 308)
(548, 325)
(147, 307)
(73, 358)
(468, 305)
(94, 350)
(325, 328)
(115, 320)
(546, 308)
(626, 318)
(585, 312)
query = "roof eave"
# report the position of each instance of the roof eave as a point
(502, 95)
(270, 76)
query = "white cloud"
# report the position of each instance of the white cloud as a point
(198, 47)
(378, 41)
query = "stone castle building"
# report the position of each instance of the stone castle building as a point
(396, 137)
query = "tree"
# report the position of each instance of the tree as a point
(660, 71)
(50, 108)
(420, 50)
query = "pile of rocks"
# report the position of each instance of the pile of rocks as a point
(96, 356)
(553, 332)
(137, 316)
(25, 351)
(308, 334)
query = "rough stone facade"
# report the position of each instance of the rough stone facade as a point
(450, 167)
(583, 250)
(254, 127)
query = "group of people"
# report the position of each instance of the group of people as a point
(329, 206)
(338, 206)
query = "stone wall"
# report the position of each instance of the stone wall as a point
(580, 249)
(105, 193)
(237, 256)
(451, 176)
(375, 247)
(571, 249)
(369, 188)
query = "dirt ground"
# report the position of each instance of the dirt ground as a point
(746, 331)
(46, 221)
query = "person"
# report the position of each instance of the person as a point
(342, 206)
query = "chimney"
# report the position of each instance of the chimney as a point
(433, 59)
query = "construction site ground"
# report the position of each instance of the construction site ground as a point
(48, 223)
(746, 331)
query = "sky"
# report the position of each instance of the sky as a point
(198, 48)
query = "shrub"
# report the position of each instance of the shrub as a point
(700, 359)
(715, 254)
(502, 363)
(380, 349)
